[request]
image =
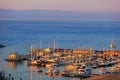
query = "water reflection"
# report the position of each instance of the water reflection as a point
(31, 74)
(13, 65)
(34, 68)
(33, 71)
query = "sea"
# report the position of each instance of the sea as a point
(18, 36)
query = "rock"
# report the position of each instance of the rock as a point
(1, 46)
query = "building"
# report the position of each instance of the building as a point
(84, 51)
(13, 55)
(112, 52)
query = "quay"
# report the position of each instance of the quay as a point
(104, 77)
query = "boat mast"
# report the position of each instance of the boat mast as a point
(31, 50)
(54, 45)
(40, 44)
(112, 46)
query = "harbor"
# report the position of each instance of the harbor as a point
(59, 39)
(78, 63)
(61, 54)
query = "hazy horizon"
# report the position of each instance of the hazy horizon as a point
(60, 9)
(35, 14)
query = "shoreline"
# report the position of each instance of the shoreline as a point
(1, 45)
(104, 77)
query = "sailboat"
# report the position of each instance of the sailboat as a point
(33, 61)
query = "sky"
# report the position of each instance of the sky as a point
(110, 6)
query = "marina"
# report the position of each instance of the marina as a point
(52, 55)
(78, 63)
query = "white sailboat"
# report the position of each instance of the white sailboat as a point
(33, 61)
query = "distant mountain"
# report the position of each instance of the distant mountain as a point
(7, 14)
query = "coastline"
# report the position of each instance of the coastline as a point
(105, 77)
(1, 45)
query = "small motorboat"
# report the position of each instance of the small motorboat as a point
(34, 62)
(40, 70)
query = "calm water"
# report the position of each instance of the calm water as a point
(19, 35)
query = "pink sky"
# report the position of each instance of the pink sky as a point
(64, 5)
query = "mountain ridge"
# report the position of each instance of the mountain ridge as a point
(36, 14)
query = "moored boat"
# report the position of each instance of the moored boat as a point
(34, 62)
(81, 71)
(52, 71)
